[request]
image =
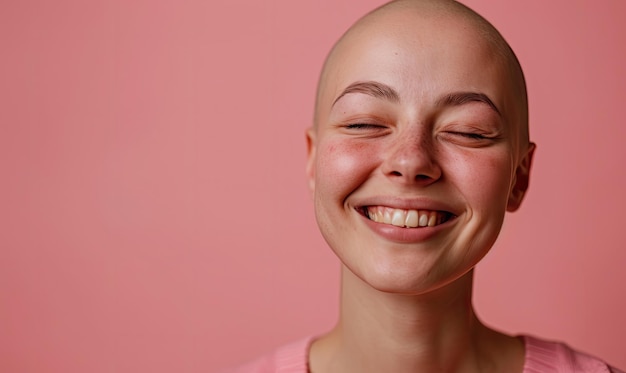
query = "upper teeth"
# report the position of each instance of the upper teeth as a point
(404, 218)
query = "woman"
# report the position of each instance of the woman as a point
(420, 145)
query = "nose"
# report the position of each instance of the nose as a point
(411, 159)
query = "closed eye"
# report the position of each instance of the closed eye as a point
(471, 139)
(470, 135)
(363, 126)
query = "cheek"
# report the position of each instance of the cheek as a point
(342, 165)
(485, 178)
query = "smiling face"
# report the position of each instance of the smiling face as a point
(417, 150)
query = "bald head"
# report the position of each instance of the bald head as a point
(442, 26)
(421, 114)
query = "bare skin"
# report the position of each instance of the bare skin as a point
(406, 291)
(381, 332)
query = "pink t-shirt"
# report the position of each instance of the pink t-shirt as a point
(541, 357)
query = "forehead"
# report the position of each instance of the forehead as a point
(420, 58)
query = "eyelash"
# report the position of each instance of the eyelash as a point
(473, 136)
(362, 126)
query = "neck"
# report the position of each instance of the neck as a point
(381, 331)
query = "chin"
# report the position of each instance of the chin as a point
(409, 281)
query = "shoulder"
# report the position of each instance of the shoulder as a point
(548, 356)
(291, 358)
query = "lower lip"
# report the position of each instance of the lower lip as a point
(405, 235)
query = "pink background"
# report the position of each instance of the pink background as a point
(154, 214)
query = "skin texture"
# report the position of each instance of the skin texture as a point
(421, 106)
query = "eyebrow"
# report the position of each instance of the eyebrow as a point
(380, 90)
(375, 89)
(461, 98)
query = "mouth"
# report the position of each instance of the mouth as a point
(405, 218)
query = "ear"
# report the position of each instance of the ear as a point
(521, 180)
(310, 163)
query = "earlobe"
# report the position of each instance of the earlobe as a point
(310, 163)
(521, 180)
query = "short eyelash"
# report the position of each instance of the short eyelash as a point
(362, 125)
(475, 136)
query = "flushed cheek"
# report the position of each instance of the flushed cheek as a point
(343, 165)
(485, 179)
